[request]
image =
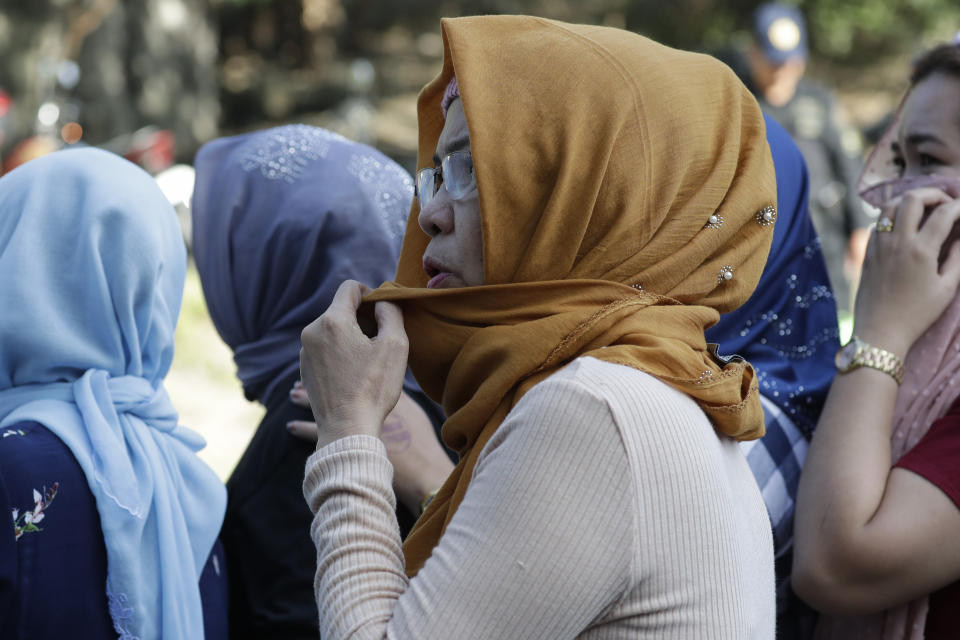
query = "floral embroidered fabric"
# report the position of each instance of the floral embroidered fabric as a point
(52, 556)
(26, 522)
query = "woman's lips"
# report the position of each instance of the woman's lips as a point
(436, 280)
(435, 272)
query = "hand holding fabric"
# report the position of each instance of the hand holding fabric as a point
(352, 381)
(904, 287)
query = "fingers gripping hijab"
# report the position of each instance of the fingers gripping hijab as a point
(281, 217)
(93, 267)
(600, 157)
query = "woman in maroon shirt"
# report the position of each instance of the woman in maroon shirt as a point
(877, 531)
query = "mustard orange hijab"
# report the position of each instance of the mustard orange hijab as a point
(600, 157)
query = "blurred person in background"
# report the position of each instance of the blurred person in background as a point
(878, 513)
(773, 69)
(114, 517)
(280, 218)
(788, 331)
(600, 491)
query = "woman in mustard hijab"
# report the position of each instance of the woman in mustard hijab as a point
(588, 203)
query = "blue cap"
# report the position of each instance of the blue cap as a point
(780, 32)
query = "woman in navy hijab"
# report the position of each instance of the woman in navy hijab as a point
(280, 218)
(788, 331)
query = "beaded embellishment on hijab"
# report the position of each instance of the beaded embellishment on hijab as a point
(283, 154)
(726, 273)
(767, 216)
(714, 222)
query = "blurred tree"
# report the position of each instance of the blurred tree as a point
(118, 65)
(860, 31)
(281, 58)
(278, 59)
(853, 32)
(112, 66)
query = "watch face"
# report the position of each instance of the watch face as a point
(846, 355)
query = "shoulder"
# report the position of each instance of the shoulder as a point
(574, 409)
(576, 395)
(658, 428)
(632, 396)
(736, 59)
(21, 428)
(605, 382)
(29, 449)
(33, 457)
(29, 435)
(613, 401)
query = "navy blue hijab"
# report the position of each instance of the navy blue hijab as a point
(788, 329)
(280, 218)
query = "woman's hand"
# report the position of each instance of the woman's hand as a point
(352, 381)
(857, 547)
(420, 463)
(903, 290)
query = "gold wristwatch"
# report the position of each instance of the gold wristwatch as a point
(857, 353)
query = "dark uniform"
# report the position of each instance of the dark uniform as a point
(832, 154)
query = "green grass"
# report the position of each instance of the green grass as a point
(203, 386)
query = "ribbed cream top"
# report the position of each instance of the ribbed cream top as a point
(605, 506)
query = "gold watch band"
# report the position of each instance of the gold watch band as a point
(883, 360)
(858, 353)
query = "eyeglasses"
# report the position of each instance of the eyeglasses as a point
(455, 173)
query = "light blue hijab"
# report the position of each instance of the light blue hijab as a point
(93, 265)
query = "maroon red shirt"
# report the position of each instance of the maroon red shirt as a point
(937, 458)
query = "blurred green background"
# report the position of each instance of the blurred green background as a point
(203, 68)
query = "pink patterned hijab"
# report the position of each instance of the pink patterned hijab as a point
(932, 373)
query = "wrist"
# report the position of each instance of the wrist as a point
(896, 342)
(331, 428)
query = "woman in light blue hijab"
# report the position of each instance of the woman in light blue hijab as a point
(113, 515)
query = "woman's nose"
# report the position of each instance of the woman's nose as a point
(437, 216)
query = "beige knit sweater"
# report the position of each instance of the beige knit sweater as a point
(605, 506)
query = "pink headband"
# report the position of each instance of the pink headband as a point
(451, 93)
